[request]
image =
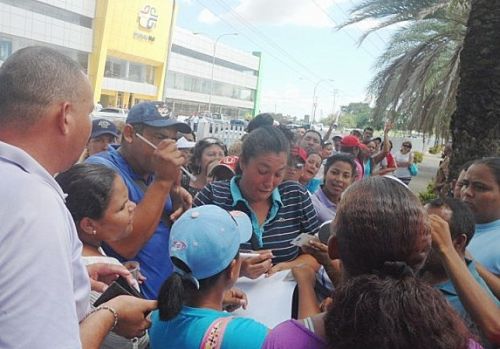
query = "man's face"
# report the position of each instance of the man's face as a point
(481, 193)
(336, 143)
(367, 135)
(311, 141)
(143, 152)
(100, 143)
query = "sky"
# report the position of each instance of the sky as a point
(301, 49)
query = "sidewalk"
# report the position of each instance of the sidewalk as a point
(427, 172)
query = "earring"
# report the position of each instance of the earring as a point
(94, 232)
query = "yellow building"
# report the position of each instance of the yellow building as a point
(130, 49)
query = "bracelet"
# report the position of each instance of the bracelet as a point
(106, 307)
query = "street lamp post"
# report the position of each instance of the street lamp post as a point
(213, 65)
(315, 102)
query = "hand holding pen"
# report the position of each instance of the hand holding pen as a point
(169, 153)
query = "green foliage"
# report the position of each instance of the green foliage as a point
(428, 195)
(417, 76)
(418, 157)
(437, 149)
(347, 121)
(359, 115)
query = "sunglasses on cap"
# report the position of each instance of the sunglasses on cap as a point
(407, 146)
(297, 165)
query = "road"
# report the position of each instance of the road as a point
(426, 172)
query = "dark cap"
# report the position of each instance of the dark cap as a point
(103, 127)
(146, 113)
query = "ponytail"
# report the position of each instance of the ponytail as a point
(171, 297)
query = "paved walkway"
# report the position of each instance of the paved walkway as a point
(427, 172)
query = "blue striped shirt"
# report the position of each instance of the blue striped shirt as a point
(295, 215)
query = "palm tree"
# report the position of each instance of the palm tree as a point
(417, 75)
(476, 123)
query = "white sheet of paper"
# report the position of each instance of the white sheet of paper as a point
(269, 299)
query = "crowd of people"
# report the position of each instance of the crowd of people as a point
(86, 203)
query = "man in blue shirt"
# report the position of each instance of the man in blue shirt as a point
(461, 223)
(149, 163)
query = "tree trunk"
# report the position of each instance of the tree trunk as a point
(475, 126)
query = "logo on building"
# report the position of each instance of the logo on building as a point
(148, 17)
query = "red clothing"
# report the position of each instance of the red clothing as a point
(390, 160)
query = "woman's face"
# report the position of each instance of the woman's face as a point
(405, 148)
(261, 175)
(372, 148)
(481, 193)
(209, 154)
(327, 151)
(117, 222)
(311, 168)
(338, 177)
(294, 170)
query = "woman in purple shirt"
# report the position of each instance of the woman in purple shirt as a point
(340, 172)
(382, 239)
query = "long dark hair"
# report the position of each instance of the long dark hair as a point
(89, 188)
(392, 311)
(379, 219)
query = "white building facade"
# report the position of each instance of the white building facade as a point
(189, 88)
(62, 24)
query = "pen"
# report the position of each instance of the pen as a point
(145, 140)
(248, 254)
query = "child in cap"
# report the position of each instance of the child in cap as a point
(204, 248)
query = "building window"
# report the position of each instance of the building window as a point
(184, 51)
(132, 71)
(51, 11)
(5, 50)
(184, 82)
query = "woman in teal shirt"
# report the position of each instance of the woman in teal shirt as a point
(204, 248)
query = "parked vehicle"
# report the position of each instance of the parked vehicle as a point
(317, 127)
(238, 123)
(112, 114)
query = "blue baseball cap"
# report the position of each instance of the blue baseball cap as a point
(206, 239)
(103, 127)
(146, 113)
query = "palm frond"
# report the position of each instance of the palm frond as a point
(417, 75)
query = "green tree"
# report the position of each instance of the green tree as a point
(476, 123)
(361, 114)
(417, 76)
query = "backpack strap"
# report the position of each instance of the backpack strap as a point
(215, 333)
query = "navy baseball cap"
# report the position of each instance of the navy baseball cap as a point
(146, 113)
(103, 127)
